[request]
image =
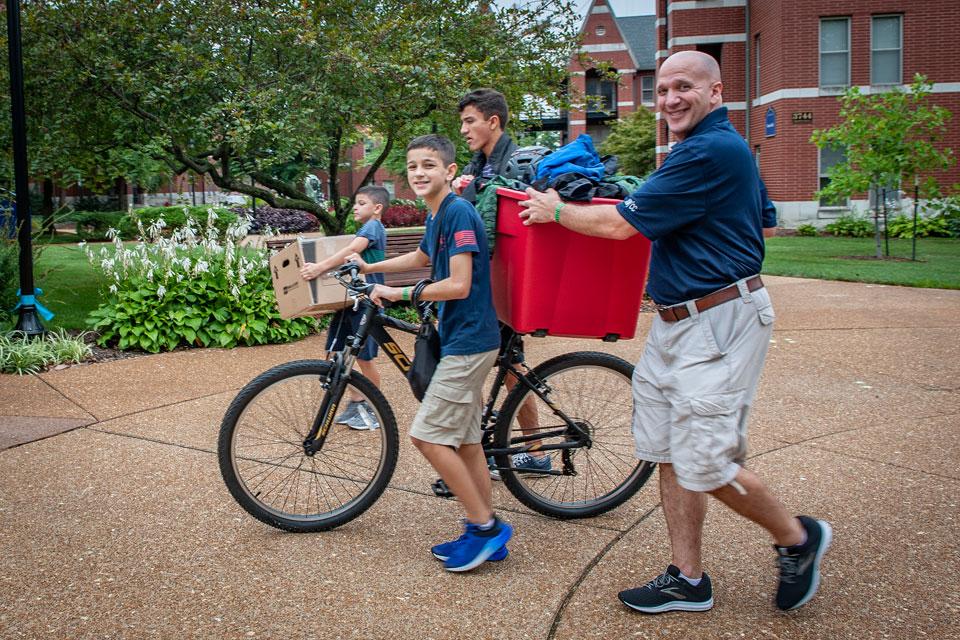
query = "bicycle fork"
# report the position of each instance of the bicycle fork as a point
(336, 384)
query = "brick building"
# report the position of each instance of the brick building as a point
(628, 45)
(785, 63)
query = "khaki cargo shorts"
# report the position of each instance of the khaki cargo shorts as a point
(453, 405)
(694, 385)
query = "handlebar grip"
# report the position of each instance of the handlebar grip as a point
(350, 267)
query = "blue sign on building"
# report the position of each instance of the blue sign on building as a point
(770, 123)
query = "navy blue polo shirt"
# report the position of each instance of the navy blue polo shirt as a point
(469, 325)
(704, 213)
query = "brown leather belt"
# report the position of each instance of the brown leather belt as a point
(680, 311)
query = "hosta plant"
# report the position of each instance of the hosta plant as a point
(189, 288)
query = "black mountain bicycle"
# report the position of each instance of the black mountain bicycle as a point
(289, 464)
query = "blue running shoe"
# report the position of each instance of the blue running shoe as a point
(525, 461)
(443, 550)
(477, 546)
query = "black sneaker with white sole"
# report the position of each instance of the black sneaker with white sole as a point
(670, 592)
(800, 564)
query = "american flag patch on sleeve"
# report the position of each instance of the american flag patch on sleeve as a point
(464, 238)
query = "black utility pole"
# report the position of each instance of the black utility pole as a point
(28, 321)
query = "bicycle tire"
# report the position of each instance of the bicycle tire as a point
(595, 390)
(262, 459)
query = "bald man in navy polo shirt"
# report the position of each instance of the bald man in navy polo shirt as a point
(706, 212)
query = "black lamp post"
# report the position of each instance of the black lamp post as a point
(28, 321)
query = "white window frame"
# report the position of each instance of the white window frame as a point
(899, 79)
(833, 88)
(644, 90)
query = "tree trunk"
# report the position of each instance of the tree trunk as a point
(46, 209)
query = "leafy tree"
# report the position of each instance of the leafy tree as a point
(633, 140)
(254, 93)
(888, 138)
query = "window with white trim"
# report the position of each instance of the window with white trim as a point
(646, 89)
(835, 52)
(886, 50)
(828, 158)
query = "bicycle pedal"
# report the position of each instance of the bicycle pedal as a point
(441, 490)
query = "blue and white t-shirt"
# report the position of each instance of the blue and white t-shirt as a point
(376, 236)
(469, 325)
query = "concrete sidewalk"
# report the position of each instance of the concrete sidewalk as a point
(114, 521)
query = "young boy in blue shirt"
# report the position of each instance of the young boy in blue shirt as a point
(371, 243)
(446, 429)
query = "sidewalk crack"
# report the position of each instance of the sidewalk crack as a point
(568, 596)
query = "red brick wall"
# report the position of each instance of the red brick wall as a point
(700, 22)
(790, 59)
(790, 36)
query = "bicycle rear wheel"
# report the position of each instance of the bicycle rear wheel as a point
(262, 457)
(594, 391)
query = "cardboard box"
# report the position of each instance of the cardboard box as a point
(298, 297)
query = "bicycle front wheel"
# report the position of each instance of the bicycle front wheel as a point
(266, 469)
(597, 473)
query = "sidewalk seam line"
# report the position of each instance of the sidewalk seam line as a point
(93, 427)
(812, 443)
(572, 589)
(159, 406)
(69, 399)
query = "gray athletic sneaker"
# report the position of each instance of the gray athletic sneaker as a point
(364, 419)
(347, 414)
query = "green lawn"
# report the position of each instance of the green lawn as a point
(829, 258)
(71, 286)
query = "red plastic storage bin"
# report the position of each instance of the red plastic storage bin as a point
(548, 280)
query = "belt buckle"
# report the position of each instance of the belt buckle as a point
(671, 309)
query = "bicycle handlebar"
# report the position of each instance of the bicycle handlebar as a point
(347, 275)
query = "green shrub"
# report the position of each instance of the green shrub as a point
(949, 209)
(189, 289)
(807, 230)
(93, 225)
(405, 312)
(136, 223)
(20, 354)
(10, 272)
(9, 277)
(851, 225)
(902, 227)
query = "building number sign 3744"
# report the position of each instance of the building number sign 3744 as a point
(802, 116)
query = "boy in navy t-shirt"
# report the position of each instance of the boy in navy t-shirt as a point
(446, 429)
(371, 243)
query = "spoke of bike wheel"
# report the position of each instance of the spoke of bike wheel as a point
(604, 466)
(269, 454)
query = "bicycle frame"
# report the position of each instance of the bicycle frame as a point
(373, 324)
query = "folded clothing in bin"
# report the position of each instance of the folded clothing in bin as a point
(548, 280)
